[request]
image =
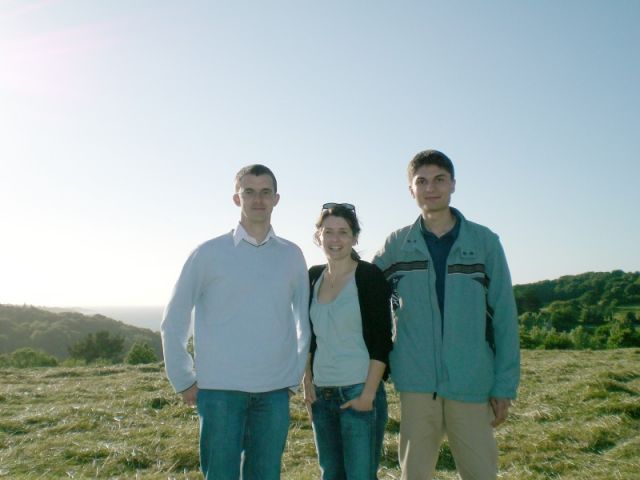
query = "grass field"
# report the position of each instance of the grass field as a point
(635, 309)
(578, 417)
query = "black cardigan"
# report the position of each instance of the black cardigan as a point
(374, 295)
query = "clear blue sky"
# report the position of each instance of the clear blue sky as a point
(122, 125)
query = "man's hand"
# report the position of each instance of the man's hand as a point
(500, 408)
(309, 393)
(190, 394)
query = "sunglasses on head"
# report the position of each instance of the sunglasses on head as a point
(330, 205)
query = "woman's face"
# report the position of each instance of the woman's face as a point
(336, 238)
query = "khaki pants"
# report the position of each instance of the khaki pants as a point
(424, 423)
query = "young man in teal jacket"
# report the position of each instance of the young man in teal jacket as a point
(456, 358)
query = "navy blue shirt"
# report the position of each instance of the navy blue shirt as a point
(439, 249)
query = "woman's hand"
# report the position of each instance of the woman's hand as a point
(364, 403)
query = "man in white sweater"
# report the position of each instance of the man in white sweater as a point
(250, 292)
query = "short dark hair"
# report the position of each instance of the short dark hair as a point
(349, 216)
(430, 157)
(257, 170)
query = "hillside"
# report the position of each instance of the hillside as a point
(593, 310)
(577, 417)
(142, 316)
(54, 332)
(605, 289)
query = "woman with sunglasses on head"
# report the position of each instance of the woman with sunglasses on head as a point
(351, 340)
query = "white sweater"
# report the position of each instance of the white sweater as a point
(251, 322)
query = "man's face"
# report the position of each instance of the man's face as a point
(432, 187)
(256, 198)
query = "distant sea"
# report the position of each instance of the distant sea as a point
(144, 317)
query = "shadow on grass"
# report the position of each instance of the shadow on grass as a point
(601, 442)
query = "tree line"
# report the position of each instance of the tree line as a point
(100, 348)
(595, 310)
(69, 336)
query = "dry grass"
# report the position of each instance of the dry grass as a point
(578, 417)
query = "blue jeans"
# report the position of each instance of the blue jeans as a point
(233, 423)
(382, 415)
(349, 442)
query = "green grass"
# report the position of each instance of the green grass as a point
(628, 308)
(578, 417)
(635, 309)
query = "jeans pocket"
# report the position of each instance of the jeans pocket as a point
(352, 391)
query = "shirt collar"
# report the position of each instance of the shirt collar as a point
(451, 233)
(240, 234)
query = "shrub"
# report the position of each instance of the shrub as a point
(5, 360)
(73, 362)
(99, 345)
(557, 341)
(537, 336)
(564, 315)
(623, 334)
(141, 353)
(601, 336)
(581, 338)
(28, 357)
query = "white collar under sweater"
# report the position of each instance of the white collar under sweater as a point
(240, 234)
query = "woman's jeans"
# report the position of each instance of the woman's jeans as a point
(349, 442)
(234, 423)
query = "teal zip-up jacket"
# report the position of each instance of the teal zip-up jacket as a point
(472, 353)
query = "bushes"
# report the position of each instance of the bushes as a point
(27, 358)
(617, 334)
(103, 347)
(558, 341)
(99, 345)
(141, 353)
(623, 334)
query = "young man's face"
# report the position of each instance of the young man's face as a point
(432, 187)
(256, 198)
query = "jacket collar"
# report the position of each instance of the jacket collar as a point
(414, 241)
